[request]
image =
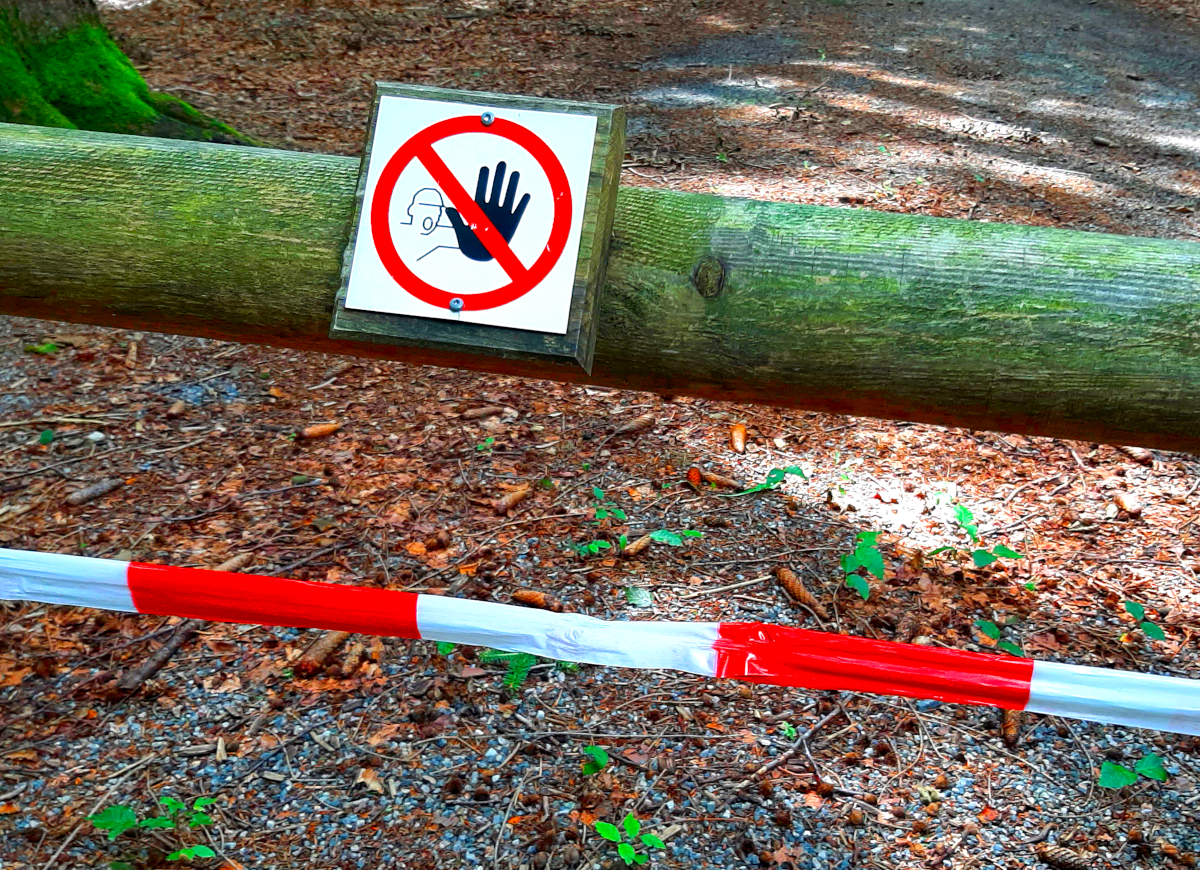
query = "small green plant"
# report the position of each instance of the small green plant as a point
(674, 539)
(788, 729)
(990, 629)
(1118, 775)
(1150, 629)
(46, 437)
(445, 648)
(632, 829)
(774, 477)
(47, 348)
(519, 665)
(592, 548)
(116, 820)
(979, 556)
(597, 760)
(864, 557)
(639, 596)
(605, 508)
(486, 445)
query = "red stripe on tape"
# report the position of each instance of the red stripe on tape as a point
(225, 597)
(784, 656)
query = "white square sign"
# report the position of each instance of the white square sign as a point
(472, 214)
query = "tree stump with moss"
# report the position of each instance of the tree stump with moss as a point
(60, 68)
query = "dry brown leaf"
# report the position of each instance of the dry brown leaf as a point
(695, 477)
(737, 437)
(507, 502)
(637, 546)
(1010, 726)
(1129, 503)
(369, 777)
(534, 598)
(319, 430)
(94, 491)
(131, 355)
(796, 590)
(177, 409)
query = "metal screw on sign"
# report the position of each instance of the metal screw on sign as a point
(456, 305)
(487, 118)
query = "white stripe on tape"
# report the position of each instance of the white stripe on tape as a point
(1119, 697)
(684, 646)
(59, 579)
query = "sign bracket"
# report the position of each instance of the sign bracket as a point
(387, 296)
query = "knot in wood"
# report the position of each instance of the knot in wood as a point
(709, 277)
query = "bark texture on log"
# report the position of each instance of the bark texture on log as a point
(990, 326)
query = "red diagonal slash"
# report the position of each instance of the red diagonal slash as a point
(471, 213)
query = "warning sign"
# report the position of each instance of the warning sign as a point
(472, 213)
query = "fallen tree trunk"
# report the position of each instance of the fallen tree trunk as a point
(989, 326)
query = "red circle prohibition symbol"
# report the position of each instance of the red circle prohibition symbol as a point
(420, 148)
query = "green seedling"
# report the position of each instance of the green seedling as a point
(46, 348)
(445, 648)
(605, 508)
(1118, 775)
(1150, 629)
(674, 539)
(990, 629)
(774, 477)
(980, 557)
(597, 760)
(519, 665)
(865, 557)
(788, 729)
(486, 445)
(46, 437)
(632, 828)
(639, 596)
(116, 820)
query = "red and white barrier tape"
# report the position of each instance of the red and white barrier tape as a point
(753, 651)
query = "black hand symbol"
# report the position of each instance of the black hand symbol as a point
(503, 217)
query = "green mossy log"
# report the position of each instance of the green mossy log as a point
(60, 68)
(988, 326)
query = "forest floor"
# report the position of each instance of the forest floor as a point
(398, 754)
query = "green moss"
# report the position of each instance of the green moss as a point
(78, 77)
(85, 75)
(21, 100)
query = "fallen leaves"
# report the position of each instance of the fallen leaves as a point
(1129, 503)
(638, 546)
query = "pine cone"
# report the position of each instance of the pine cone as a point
(1063, 859)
